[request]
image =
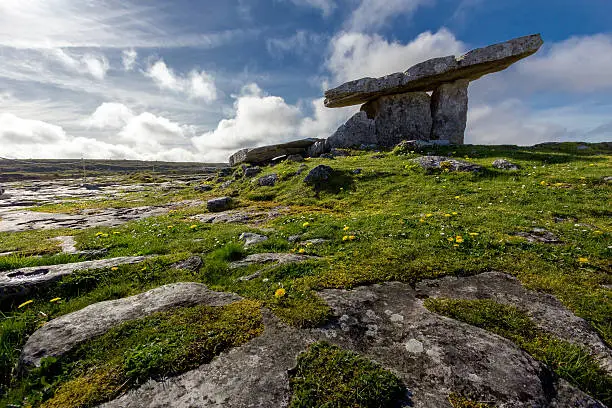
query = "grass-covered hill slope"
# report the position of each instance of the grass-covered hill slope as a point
(380, 217)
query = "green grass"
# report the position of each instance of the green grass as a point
(458, 401)
(401, 218)
(571, 362)
(158, 346)
(328, 376)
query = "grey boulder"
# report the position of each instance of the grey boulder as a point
(319, 174)
(268, 181)
(503, 164)
(266, 153)
(219, 204)
(251, 239)
(252, 171)
(446, 163)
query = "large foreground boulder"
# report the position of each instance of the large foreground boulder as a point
(264, 154)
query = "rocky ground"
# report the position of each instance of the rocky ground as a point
(448, 277)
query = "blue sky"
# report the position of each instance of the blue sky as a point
(195, 80)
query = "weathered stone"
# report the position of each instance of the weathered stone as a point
(449, 106)
(399, 117)
(19, 282)
(428, 75)
(359, 129)
(252, 171)
(2, 190)
(339, 153)
(268, 181)
(219, 204)
(251, 239)
(301, 169)
(546, 311)
(504, 164)
(224, 172)
(295, 158)
(318, 148)
(193, 263)
(246, 216)
(203, 188)
(540, 235)
(265, 258)
(446, 163)
(67, 243)
(319, 174)
(227, 184)
(266, 153)
(61, 335)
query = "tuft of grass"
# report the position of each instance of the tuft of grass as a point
(457, 401)
(158, 346)
(328, 376)
(570, 361)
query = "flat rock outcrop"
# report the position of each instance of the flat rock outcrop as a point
(434, 356)
(446, 163)
(428, 75)
(544, 309)
(64, 333)
(19, 282)
(266, 153)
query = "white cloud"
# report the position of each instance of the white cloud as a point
(578, 64)
(15, 130)
(110, 115)
(198, 85)
(326, 6)
(355, 55)
(373, 14)
(128, 59)
(94, 65)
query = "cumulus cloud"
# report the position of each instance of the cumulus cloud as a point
(94, 65)
(356, 55)
(373, 14)
(128, 59)
(110, 116)
(197, 85)
(301, 43)
(578, 64)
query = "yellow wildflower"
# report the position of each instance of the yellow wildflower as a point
(346, 228)
(25, 304)
(450, 239)
(309, 244)
(55, 299)
(306, 225)
(459, 239)
(301, 251)
(428, 215)
(114, 268)
(116, 233)
(422, 220)
(345, 238)
(447, 215)
(474, 234)
(170, 226)
(280, 293)
(543, 183)
(457, 197)
(193, 226)
(99, 234)
(352, 237)
(583, 260)
(456, 245)
(455, 213)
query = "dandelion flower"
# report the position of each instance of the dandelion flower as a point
(543, 183)
(170, 226)
(193, 226)
(474, 234)
(422, 220)
(459, 239)
(25, 304)
(306, 225)
(456, 245)
(447, 215)
(345, 238)
(309, 244)
(114, 268)
(455, 213)
(55, 299)
(280, 293)
(301, 251)
(428, 215)
(352, 237)
(99, 234)
(116, 233)
(457, 197)
(583, 260)
(346, 228)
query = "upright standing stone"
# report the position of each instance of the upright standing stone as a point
(449, 105)
(358, 130)
(400, 117)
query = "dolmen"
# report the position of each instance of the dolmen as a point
(399, 106)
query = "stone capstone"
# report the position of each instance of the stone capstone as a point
(449, 106)
(62, 334)
(267, 153)
(429, 75)
(219, 204)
